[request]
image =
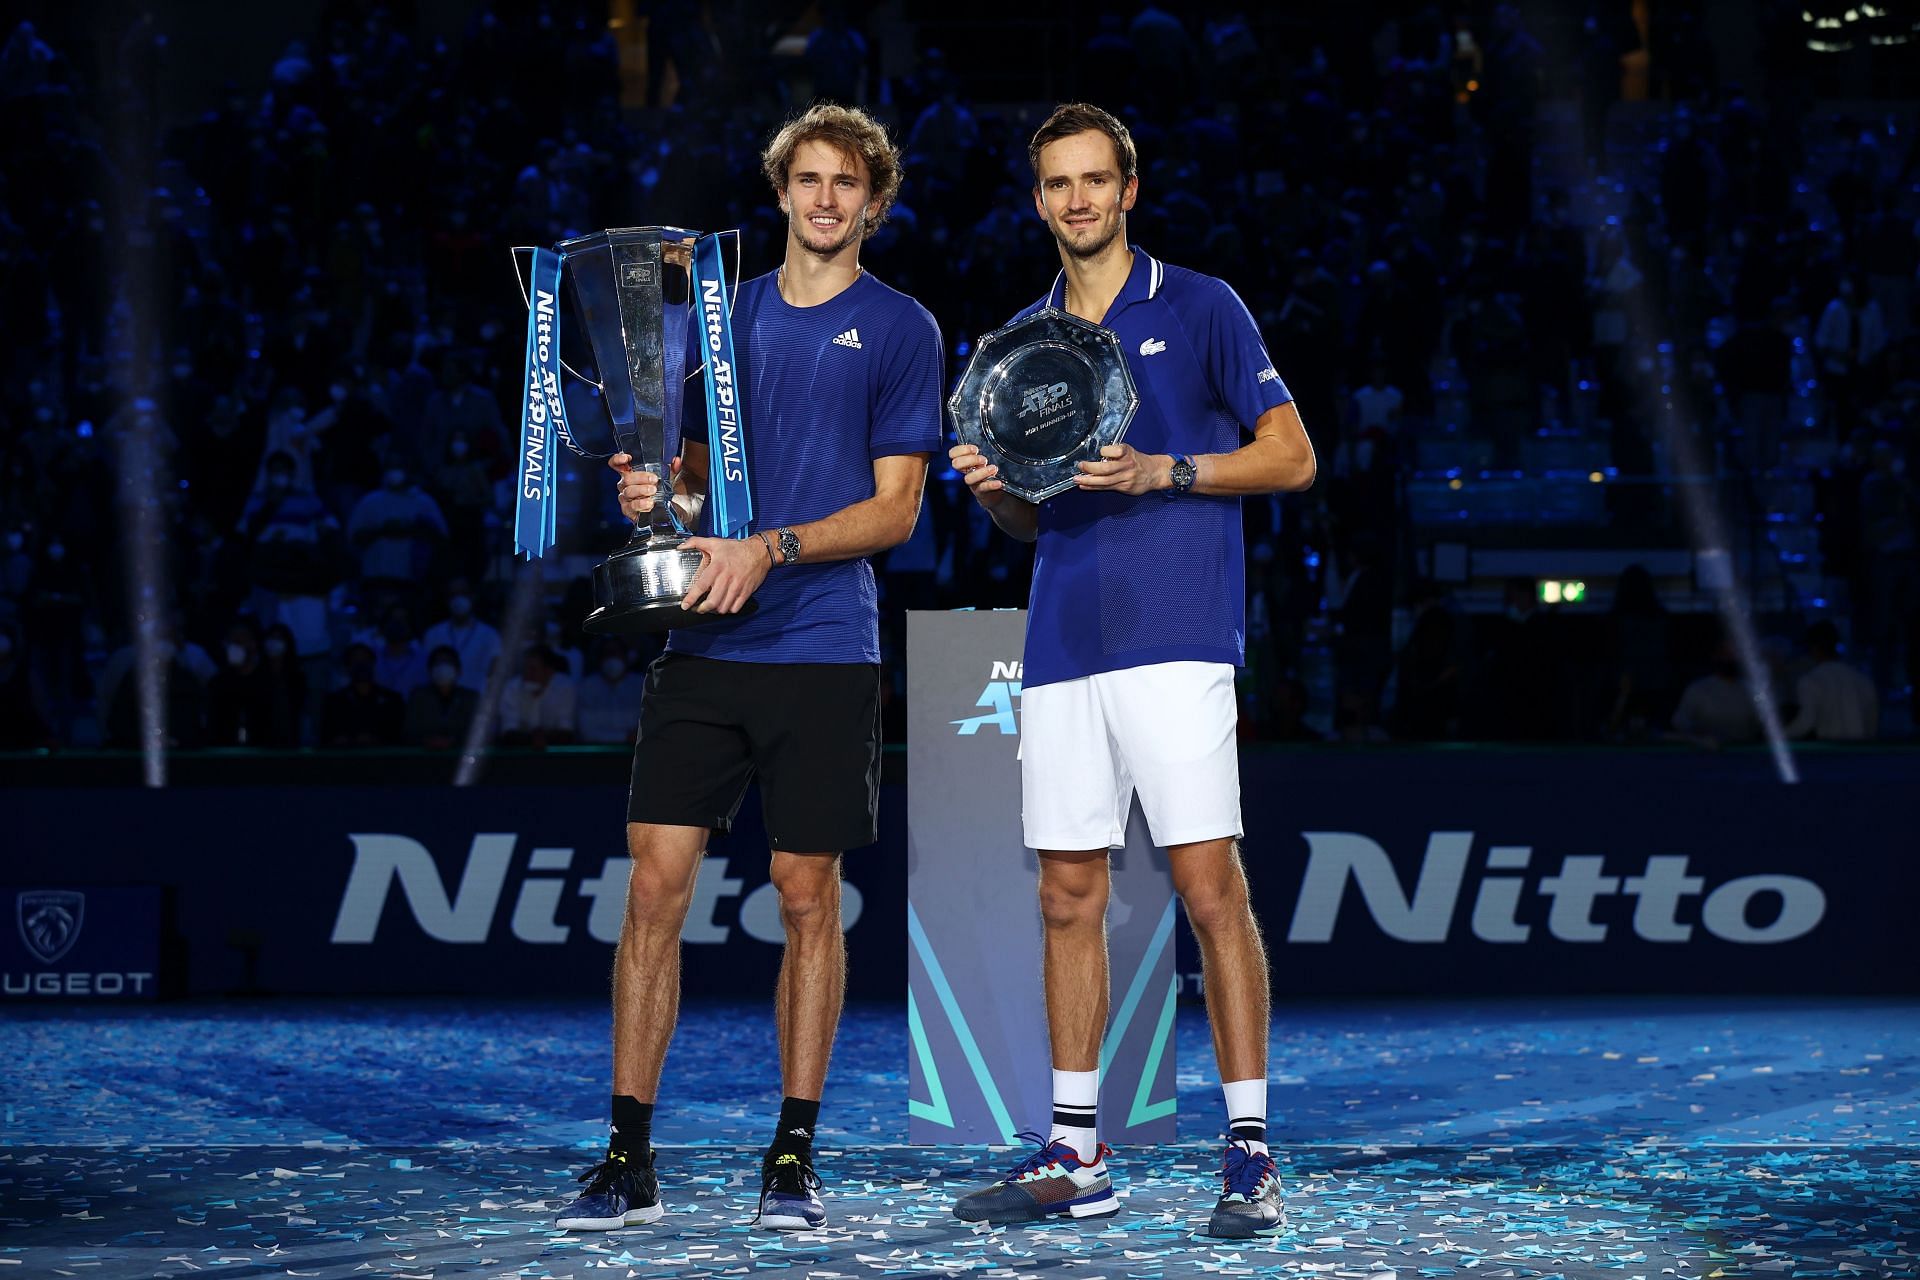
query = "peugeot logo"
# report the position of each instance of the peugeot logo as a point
(50, 921)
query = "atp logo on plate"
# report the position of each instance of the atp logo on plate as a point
(1044, 399)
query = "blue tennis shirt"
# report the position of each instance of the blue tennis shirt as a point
(829, 388)
(1123, 581)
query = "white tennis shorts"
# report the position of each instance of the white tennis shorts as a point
(1166, 731)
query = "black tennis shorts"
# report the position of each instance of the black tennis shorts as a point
(810, 731)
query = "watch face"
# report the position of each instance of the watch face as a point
(1183, 475)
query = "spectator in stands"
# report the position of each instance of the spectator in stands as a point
(1523, 698)
(295, 557)
(362, 714)
(467, 494)
(537, 707)
(1428, 677)
(182, 669)
(458, 407)
(397, 528)
(400, 662)
(1835, 703)
(1718, 708)
(1364, 650)
(287, 678)
(1639, 644)
(239, 697)
(1290, 704)
(1376, 406)
(608, 702)
(1849, 340)
(440, 712)
(477, 643)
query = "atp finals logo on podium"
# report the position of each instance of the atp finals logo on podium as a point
(1000, 697)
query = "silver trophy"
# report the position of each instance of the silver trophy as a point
(631, 287)
(1042, 394)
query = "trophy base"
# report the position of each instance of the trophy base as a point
(638, 591)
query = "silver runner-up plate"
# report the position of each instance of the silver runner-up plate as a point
(1041, 394)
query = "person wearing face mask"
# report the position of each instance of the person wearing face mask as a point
(184, 715)
(286, 689)
(396, 529)
(400, 662)
(477, 643)
(296, 555)
(609, 702)
(440, 712)
(290, 432)
(459, 406)
(1718, 708)
(462, 484)
(239, 697)
(537, 708)
(363, 714)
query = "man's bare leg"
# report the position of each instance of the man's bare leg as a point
(813, 972)
(646, 966)
(1233, 959)
(1073, 917)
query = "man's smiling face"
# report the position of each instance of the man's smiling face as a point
(828, 198)
(1081, 193)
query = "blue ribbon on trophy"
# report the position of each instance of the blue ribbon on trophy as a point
(728, 494)
(622, 282)
(543, 411)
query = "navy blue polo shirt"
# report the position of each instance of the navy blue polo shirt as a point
(829, 389)
(1122, 581)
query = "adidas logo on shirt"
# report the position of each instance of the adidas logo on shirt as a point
(851, 338)
(1152, 347)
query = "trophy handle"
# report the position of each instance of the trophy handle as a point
(521, 280)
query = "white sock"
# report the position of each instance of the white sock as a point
(1247, 1112)
(1076, 1102)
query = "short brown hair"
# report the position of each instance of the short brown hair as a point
(848, 130)
(1084, 117)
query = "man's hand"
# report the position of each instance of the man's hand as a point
(1125, 469)
(982, 477)
(638, 488)
(733, 571)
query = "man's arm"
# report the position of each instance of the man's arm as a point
(873, 524)
(1016, 517)
(735, 568)
(1279, 459)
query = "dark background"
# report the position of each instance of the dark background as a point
(1602, 257)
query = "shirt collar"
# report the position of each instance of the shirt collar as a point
(1143, 282)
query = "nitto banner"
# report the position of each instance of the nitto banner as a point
(1478, 871)
(1442, 872)
(509, 890)
(980, 1065)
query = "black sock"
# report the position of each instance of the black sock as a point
(632, 1135)
(798, 1119)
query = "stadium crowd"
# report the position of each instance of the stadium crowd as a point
(300, 302)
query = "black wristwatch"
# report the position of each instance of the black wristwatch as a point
(1182, 473)
(789, 546)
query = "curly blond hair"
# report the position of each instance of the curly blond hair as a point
(849, 131)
